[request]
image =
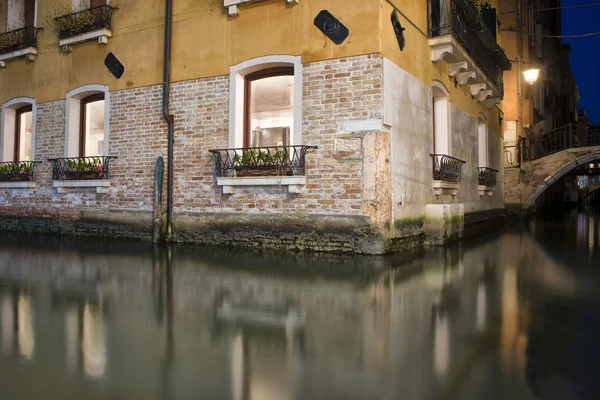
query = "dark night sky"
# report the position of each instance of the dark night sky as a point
(585, 52)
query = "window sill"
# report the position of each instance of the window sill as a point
(294, 183)
(30, 53)
(445, 187)
(232, 5)
(31, 186)
(489, 190)
(101, 185)
(101, 34)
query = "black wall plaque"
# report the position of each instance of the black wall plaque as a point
(114, 65)
(331, 27)
(398, 30)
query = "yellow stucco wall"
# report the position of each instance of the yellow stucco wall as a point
(206, 42)
(416, 57)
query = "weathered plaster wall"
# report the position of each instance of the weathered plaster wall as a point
(407, 113)
(206, 42)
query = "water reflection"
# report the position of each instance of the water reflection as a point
(501, 318)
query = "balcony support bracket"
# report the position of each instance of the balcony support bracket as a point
(455, 68)
(463, 77)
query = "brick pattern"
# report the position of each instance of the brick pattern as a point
(334, 91)
(137, 137)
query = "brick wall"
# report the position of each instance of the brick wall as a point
(334, 92)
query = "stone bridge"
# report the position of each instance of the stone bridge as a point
(524, 184)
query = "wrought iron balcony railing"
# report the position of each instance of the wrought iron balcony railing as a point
(17, 171)
(487, 176)
(446, 168)
(461, 19)
(84, 21)
(261, 161)
(18, 39)
(76, 168)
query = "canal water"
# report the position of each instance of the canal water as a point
(515, 315)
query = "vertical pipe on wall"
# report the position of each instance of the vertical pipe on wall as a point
(166, 113)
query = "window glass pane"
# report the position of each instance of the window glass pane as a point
(25, 124)
(271, 111)
(94, 128)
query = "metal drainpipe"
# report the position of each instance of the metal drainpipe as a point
(167, 114)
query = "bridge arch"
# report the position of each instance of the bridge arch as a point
(562, 171)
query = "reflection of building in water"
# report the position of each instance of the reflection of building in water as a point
(441, 345)
(85, 339)
(25, 326)
(265, 356)
(16, 320)
(480, 313)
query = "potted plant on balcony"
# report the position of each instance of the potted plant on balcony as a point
(82, 169)
(14, 172)
(253, 162)
(68, 23)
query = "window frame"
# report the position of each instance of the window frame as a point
(83, 116)
(18, 113)
(256, 76)
(237, 75)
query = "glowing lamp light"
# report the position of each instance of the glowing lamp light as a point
(531, 75)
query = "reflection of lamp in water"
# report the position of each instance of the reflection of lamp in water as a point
(480, 313)
(92, 342)
(25, 326)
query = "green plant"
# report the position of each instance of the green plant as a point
(482, 4)
(63, 18)
(11, 40)
(14, 168)
(83, 166)
(252, 158)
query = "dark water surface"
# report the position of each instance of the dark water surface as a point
(512, 316)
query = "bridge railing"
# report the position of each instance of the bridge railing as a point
(564, 137)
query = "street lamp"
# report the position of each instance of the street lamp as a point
(531, 75)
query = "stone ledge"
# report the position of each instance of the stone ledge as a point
(294, 183)
(30, 53)
(101, 34)
(101, 185)
(31, 186)
(489, 190)
(445, 187)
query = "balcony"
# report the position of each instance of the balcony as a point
(459, 36)
(18, 43)
(81, 172)
(487, 180)
(89, 24)
(447, 174)
(261, 166)
(17, 175)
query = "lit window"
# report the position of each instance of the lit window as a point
(23, 132)
(91, 140)
(269, 108)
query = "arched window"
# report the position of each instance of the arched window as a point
(441, 126)
(269, 107)
(265, 107)
(482, 142)
(18, 130)
(87, 120)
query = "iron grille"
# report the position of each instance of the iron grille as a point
(446, 168)
(17, 171)
(75, 168)
(87, 20)
(261, 161)
(18, 39)
(487, 176)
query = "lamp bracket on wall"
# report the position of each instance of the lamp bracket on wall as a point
(398, 30)
(332, 27)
